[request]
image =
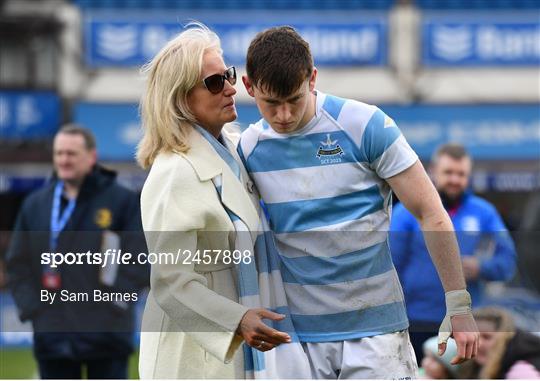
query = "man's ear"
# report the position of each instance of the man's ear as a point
(248, 85)
(313, 79)
(430, 170)
(94, 156)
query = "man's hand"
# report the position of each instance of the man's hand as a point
(257, 334)
(471, 268)
(459, 323)
(465, 333)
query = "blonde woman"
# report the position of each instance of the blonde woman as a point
(505, 352)
(193, 324)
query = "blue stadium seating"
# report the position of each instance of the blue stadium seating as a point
(478, 4)
(236, 4)
(304, 4)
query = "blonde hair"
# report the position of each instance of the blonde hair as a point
(506, 329)
(172, 73)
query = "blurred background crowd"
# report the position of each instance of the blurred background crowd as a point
(463, 71)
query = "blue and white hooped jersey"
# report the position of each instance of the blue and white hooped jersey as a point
(329, 208)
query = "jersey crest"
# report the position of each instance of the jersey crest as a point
(329, 151)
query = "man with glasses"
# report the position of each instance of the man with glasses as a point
(325, 167)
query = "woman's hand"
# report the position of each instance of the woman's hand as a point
(257, 334)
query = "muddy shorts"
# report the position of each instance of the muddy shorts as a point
(388, 356)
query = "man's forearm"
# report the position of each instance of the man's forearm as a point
(443, 248)
(420, 197)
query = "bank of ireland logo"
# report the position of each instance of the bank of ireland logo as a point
(452, 43)
(117, 42)
(330, 151)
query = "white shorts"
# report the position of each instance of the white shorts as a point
(389, 356)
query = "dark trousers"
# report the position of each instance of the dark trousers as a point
(419, 332)
(106, 368)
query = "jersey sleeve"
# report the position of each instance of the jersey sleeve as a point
(248, 141)
(385, 147)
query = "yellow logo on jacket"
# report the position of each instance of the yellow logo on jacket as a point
(103, 218)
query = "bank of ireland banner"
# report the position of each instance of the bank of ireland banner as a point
(29, 114)
(489, 132)
(465, 39)
(336, 40)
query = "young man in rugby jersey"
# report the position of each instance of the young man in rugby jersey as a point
(325, 168)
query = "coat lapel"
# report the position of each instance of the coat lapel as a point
(208, 164)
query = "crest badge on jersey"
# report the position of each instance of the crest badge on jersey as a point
(330, 152)
(103, 218)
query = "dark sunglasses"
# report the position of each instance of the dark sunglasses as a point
(216, 82)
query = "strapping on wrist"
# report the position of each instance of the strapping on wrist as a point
(458, 302)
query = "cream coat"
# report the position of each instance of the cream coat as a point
(192, 309)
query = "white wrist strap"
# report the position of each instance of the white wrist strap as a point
(458, 302)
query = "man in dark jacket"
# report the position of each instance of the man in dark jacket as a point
(82, 310)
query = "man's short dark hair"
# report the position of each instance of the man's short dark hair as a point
(75, 129)
(279, 61)
(455, 150)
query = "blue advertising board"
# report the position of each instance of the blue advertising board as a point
(29, 115)
(486, 39)
(20, 184)
(489, 132)
(116, 127)
(337, 39)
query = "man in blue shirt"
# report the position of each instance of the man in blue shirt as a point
(487, 251)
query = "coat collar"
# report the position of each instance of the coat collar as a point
(208, 164)
(202, 157)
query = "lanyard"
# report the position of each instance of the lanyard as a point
(58, 223)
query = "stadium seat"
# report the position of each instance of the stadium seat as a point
(478, 4)
(241, 4)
